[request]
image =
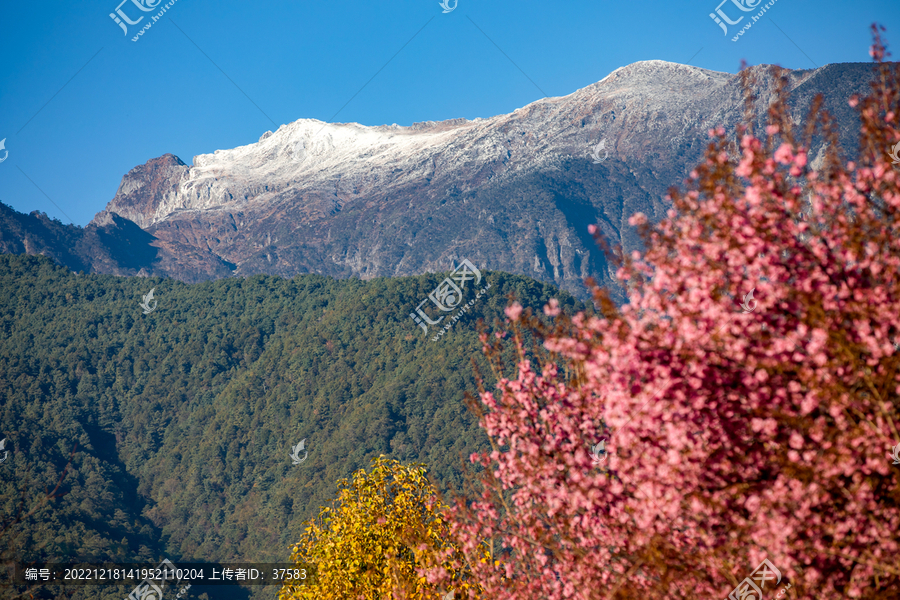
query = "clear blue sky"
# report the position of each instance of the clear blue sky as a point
(81, 104)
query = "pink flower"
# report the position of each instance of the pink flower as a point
(637, 219)
(514, 311)
(784, 154)
(731, 437)
(551, 309)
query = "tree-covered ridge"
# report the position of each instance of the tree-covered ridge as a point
(184, 417)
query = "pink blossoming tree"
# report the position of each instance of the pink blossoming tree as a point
(738, 427)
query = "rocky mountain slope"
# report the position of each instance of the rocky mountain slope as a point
(513, 192)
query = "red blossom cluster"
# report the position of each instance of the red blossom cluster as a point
(733, 436)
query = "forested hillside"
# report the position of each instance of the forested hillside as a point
(184, 418)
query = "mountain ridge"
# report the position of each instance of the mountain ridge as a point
(513, 192)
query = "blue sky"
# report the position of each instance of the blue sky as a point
(81, 104)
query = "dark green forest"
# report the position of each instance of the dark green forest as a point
(182, 420)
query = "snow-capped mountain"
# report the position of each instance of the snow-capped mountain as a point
(513, 192)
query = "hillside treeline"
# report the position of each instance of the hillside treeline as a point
(182, 420)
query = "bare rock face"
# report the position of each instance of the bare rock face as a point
(144, 189)
(513, 192)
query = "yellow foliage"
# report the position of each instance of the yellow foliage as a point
(382, 528)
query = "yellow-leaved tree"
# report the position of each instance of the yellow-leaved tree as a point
(385, 529)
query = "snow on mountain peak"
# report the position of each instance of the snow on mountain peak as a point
(344, 161)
